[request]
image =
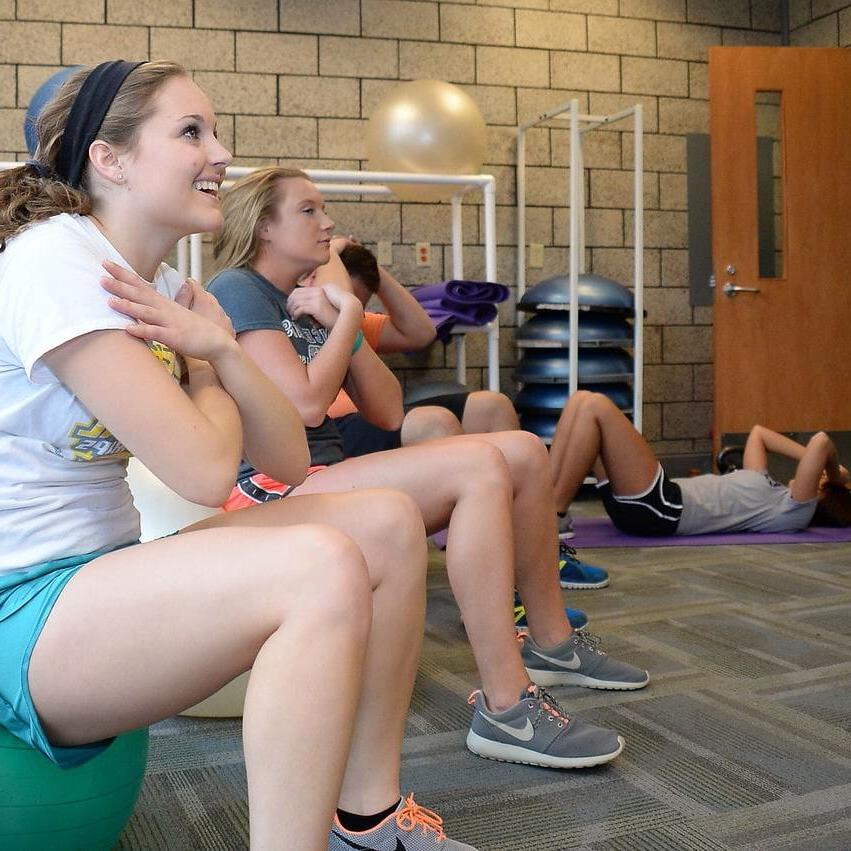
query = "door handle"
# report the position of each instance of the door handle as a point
(729, 289)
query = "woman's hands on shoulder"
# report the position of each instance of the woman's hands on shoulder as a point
(193, 325)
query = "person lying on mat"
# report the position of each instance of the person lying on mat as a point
(641, 500)
(100, 634)
(491, 490)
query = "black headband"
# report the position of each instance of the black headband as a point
(87, 113)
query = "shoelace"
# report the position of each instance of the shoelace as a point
(567, 552)
(547, 703)
(412, 815)
(590, 642)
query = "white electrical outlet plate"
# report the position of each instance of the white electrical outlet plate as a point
(536, 255)
(384, 252)
(423, 252)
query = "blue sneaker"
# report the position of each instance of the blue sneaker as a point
(575, 574)
(578, 620)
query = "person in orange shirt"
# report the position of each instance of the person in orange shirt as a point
(406, 327)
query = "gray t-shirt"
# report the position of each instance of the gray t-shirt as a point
(253, 304)
(744, 500)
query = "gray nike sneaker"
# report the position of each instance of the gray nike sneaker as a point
(536, 731)
(410, 828)
(579, 661)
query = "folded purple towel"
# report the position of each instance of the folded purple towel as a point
(464, 291)
(464, 302)
(467, 313)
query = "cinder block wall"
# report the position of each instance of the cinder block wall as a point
(294, 81)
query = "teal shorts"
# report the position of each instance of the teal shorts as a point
(26, 599)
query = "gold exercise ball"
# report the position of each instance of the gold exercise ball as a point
(426, 127)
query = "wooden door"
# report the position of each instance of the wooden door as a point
(783, 354)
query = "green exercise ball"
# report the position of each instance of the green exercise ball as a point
(47, 808)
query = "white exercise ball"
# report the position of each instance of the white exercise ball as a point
(162, 511)
(426, 127)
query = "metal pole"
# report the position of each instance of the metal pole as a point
(575, 212)
(458, 274)
(521, 214)
(489, 191)
(638, 239)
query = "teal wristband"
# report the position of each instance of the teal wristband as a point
(358, 341)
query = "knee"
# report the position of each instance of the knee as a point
(582, 397)
(397, 526)
(323, 577)
(599, 405)
(429, 423)
(529, 452)
(483, 464)
(489, 411)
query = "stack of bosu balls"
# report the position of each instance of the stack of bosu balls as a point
(605, 307)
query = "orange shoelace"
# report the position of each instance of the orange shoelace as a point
(552, 708)
(412, 815)
(548, 703)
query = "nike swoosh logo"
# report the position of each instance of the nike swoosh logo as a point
(399, 845)
(523, 734)
(573, 664)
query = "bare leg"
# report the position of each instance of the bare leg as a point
(535, 533)
(590, 426)
(464, 483)
(146, 631)
(487, 411)
(428, 422)
(388, 529)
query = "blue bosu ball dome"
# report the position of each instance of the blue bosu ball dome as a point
(595, 293)
(551, 329)
(43, 95)
(552, 366)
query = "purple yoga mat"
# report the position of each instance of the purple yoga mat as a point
(600, 532)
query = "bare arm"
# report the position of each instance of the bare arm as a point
(191, 441)
(761, 441)
(409, 328)
(818, 458)
(374, 389)
(313, 386)
(220, 374)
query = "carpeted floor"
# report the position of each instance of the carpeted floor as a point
(741, 741)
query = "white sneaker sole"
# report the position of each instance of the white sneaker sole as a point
(490, 749)
(584, 586)
(566, 678)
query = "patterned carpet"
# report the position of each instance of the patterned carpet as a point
(741, 741)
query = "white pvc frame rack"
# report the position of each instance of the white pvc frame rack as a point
(580, 125)
(331, 181)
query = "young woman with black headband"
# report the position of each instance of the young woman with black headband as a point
(99, 634)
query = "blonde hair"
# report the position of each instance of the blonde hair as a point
(26, 196)
(250, 201)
